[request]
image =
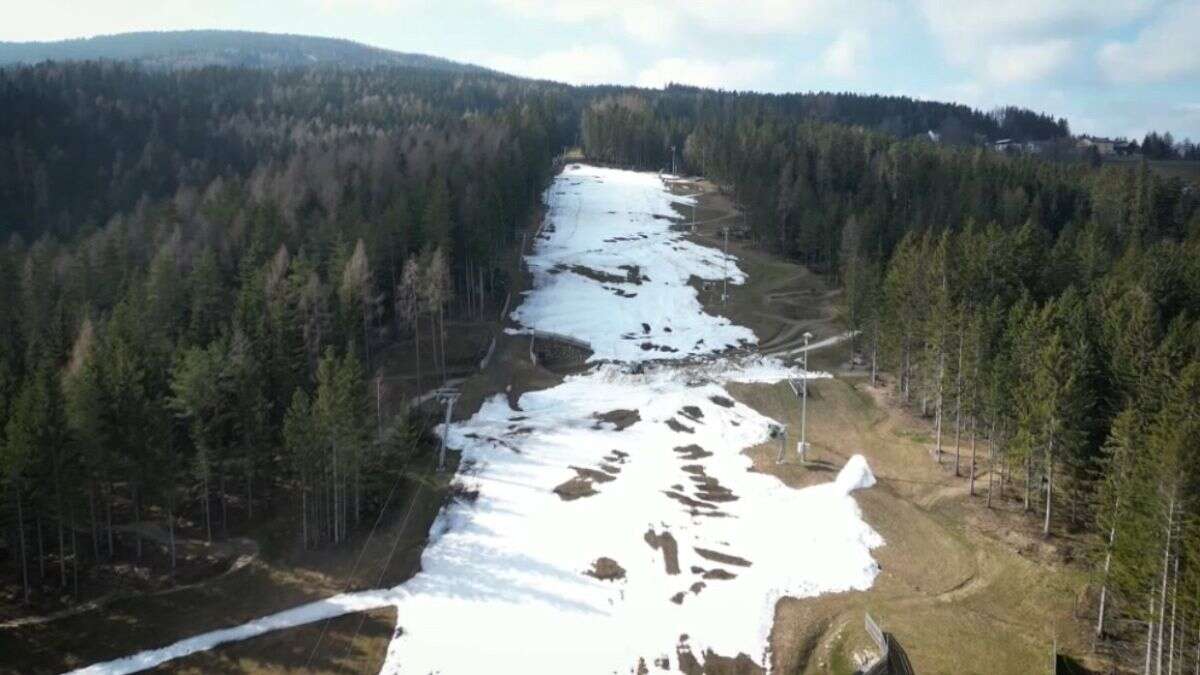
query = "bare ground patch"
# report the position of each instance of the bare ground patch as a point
(667, 544)
(606, 569)
(620, 418)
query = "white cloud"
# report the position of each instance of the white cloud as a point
(735, 74)
(584, 64)
(1010, 64)
(650, 23)
(59, 19)
(667, 19)
(844, 56)
(1022, 41)
(1164, 50)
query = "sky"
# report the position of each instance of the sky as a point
(1111, 67)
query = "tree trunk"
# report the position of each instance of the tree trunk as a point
(62, 554)
(41, 550)
(940, 407)
(442, 324)
(62, 540)
(336, 493)
(108, 526)
(75, 558)
(958, 411)
(1174, 607)
(207, 511)
(1162, 599)
(991, 460)
(249, 490)
(973, 425)
(1149, 638)
(1049, 485)
(137, 517)
(874, 354)
(171, 529)
(1112, 535)
(21, 538)
(417, 344)
(92, 514)
(1028, 478)
(1197, 669)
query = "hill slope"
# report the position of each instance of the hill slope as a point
(198, 48)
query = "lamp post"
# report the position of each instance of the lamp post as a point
(804, 403)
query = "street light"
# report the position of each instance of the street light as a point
(804, 402)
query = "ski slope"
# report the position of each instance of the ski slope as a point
(616, 522)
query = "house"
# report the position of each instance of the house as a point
(1105, 146)
(1125, 148)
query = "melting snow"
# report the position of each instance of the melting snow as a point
(609, 270)
(707, 546)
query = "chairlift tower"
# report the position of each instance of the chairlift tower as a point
(449, 399)
(780, 431)
(804, 402)
(725, 267)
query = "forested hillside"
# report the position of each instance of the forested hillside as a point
(200, 48)
(199, 267)
(1045, 315)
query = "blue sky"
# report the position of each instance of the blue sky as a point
(1111, 67)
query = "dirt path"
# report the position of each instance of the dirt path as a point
(241, 550)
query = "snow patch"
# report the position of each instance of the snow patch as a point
(609, 270)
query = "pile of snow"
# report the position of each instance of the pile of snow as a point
(856, 475)
(608, 270)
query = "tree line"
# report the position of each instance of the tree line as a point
(1044, 316)
(202, 267)
(199, 271)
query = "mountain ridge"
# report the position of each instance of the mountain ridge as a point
(201, 48)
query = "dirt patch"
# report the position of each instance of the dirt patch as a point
(710, 489)
(693, 452)
(714, 573)
(616, 456)
(678, 427)
(714, 664)
(650, 346)
(633, 274)
(606, 569)
(575, 488)
(667, 544)
(582, 484)
(620, 418)
(723, 558)
(594, 275)
(695, 507)
(721, 401)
